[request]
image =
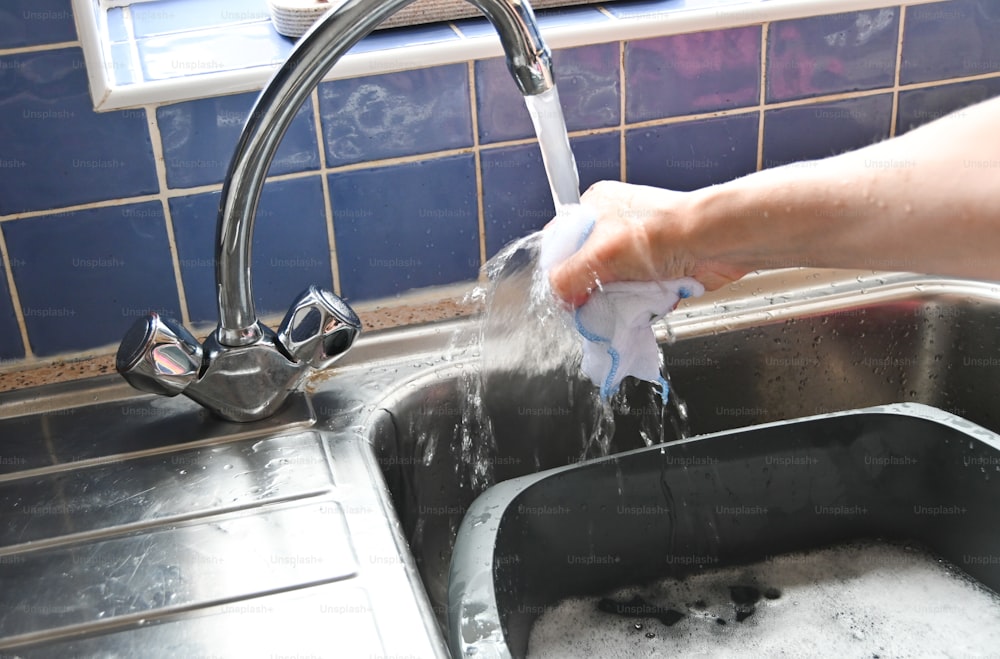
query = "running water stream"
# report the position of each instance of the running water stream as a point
(525, 335)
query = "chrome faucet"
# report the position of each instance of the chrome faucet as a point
(245, 371)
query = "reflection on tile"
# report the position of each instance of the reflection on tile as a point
(823, 129)
(165, 16)
(693, 154)
(108, 267)
(831, 54)
(290, 246)
(11, 346)
(406, 226)
(35, 22)
(124, 68)
(946, 39)
(396, 114)
(516, 196)
(117, 31)
(588, 92)
(919, 106)
(199, 138)
(233, 47)
(689, 73)
(56, 150)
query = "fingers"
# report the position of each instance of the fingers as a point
(569, 285)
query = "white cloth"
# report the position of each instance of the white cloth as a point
(616, 322)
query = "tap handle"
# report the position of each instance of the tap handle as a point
(159, 355)
(318, 328)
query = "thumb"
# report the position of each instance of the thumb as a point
(574, 279)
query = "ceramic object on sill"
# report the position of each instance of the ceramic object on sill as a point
(293, 17)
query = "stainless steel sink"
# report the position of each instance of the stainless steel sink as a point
(135, 525)
(780, 346)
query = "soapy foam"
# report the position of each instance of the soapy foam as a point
(859, 600)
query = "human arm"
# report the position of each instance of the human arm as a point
(927, 201)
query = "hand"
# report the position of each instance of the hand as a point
(640, 235)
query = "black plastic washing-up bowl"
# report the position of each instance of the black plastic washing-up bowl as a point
(661, 512)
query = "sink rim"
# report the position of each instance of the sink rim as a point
(471, 586)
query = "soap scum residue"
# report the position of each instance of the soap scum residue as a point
(856, 600)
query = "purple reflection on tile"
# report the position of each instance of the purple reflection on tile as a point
(406, 226)
(950, 39)
(588, 86)
(285, 260)
(919, 106)
(815, 131)
(516, 195)
(831, 54)
(84, 277)
(689, 73)
(692, 154)
(396, 114)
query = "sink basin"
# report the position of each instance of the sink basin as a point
(131, 523)
(903, 473)
(775, 347)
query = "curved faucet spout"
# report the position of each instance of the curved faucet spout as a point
(528, 59)
(244, 371)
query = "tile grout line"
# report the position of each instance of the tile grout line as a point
(15, 299)
(478, 160)
(160, 162)
(40, 48)
(622, 105)
(893, 118)
(215, 187)
(765, 33)
(324, 178)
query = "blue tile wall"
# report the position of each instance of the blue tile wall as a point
(918, 106)
(396, 114)
(589, 90)
(199, 137)
(406, 226)
(831, 54)
(825, 129)
(35, 22)
(688, 73)
(950, 39)
(65, 152)
(82, 198)
(516, 197)
(284, 262)
(690, 155)
(107, 267)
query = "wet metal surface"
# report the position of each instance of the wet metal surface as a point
(138, 526)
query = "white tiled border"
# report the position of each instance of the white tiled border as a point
(108, 95)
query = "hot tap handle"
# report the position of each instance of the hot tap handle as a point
(159, 355)
(318, 328)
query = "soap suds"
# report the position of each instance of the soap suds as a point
(858, 600)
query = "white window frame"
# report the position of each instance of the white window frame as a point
(107, 94)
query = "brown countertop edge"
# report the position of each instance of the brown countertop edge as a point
(40, 372)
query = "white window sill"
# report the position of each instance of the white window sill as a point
(127, 71)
